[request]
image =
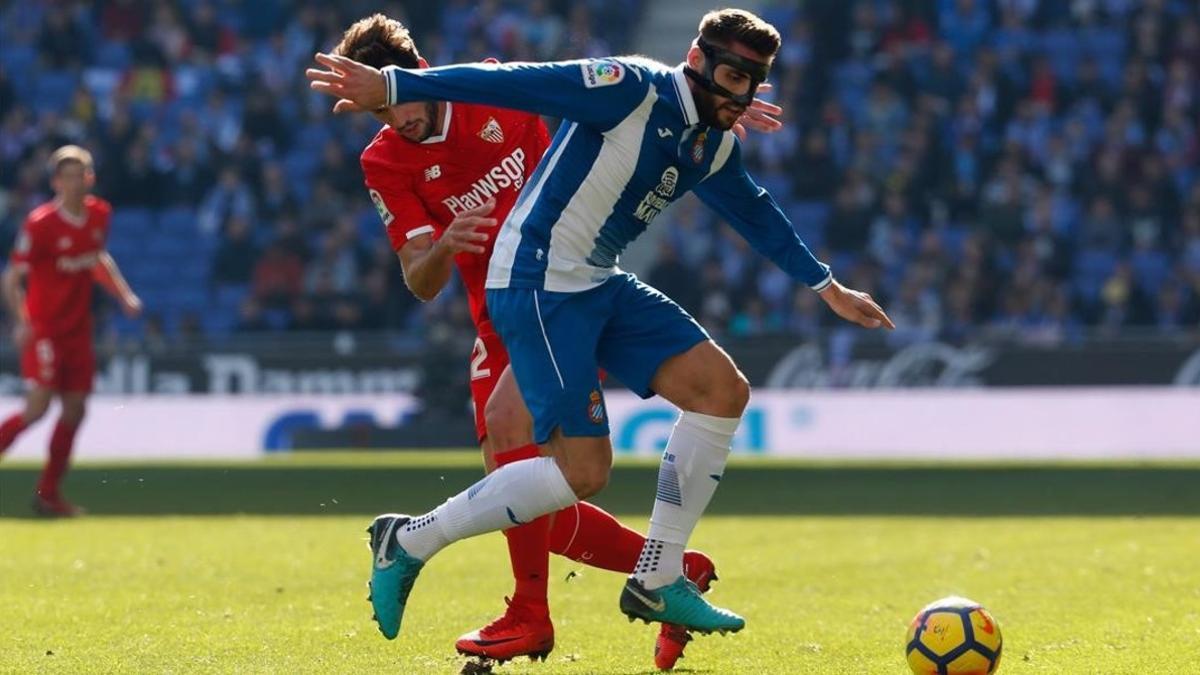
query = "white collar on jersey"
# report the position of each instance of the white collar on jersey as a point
(71, 219)
(445, 127)
(684, 92)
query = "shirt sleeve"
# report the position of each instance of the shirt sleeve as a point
(403, 214)
(593, 92)
(25, 248)
(749, 208)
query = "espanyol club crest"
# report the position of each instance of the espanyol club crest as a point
(698, 147)
(596, 407)
(491, 132)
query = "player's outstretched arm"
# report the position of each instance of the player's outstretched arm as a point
(108, 275)
(598, 92)
(751, 211)
(14, 300)
(428, 265)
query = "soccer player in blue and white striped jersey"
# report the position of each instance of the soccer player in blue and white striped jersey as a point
(636, 135)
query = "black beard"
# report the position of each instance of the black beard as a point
(708, 108)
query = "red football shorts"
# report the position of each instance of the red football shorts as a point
(488, 361)
(65, 364)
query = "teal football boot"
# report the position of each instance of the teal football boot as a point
(678, 603)
(393, 572)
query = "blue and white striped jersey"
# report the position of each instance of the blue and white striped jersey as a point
(631, 143)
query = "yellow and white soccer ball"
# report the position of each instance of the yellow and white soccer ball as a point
(953, 636)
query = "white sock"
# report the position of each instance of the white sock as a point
(691, 468)
(512, 495)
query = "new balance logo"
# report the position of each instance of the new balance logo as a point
(433, 172)
(664, 132)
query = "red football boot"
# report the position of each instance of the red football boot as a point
(55, 507)
(668, 648)
(520, 631)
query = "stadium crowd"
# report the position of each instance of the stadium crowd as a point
(1013, 167)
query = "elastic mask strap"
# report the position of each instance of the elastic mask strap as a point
(715, 56)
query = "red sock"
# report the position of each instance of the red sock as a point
(10, 429)
(588, 534)
(61, 442)
(528, 545)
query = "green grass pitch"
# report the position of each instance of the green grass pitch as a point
(261, 568)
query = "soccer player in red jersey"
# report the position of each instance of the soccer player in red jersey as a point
(442, 177)
(59, 255)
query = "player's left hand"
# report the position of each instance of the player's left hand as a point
(357, 86)
(760, 116)
(856, 306)
(132, 306)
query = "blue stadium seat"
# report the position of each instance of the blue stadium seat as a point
(53, 91)
(1092, 269)
(218, 323)
(20, 62)
(176, 219)
(132, 222)
(1151, 269)
(189, 297)
(1063, 49)
(112, 55)
(230, 296)
(277, 319)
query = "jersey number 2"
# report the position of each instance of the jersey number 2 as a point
(479, 355)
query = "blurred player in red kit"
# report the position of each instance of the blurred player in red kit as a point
(59, 255)
(442, 177)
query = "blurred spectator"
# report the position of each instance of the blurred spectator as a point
(61, 43)
(235, 257)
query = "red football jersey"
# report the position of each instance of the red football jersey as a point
(60, 252)
(480, 152)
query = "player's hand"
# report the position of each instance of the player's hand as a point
(760, 116)
(20, 333)
(357, 86)
(855, 306)
(463, 235)
(132, 306)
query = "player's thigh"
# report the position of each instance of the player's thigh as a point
(648, 331)
(508, 421)
(551, 343)
(703, 379)
(40, 366)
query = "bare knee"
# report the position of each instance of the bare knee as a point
(508, 423)
(73, 411)
(35, 409)
(586, 480)
(703, 380)
(584, 461)
(724, 394)
(736, 395)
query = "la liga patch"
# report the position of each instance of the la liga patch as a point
(384, 214)
(602, 73)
